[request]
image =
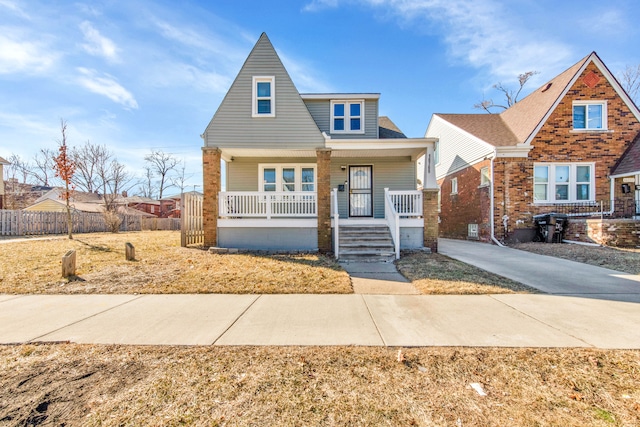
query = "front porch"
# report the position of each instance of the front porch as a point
(289, 220)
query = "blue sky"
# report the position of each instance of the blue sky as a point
(146, 75)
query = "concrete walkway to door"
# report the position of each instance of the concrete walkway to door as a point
(549, 274)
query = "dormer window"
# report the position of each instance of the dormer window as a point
(263, 97)
(347, 116)
(589, 115)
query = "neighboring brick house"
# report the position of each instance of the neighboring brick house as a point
(562, 148)
(301, 168)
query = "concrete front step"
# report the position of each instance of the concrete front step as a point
(366, 244)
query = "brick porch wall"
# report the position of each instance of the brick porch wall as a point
(430, 215)
(324, 200)
(624, 233)
(211, 187)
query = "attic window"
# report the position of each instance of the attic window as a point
(347, 116)
(590, 115)
(263, 95)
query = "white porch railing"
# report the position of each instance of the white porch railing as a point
(254, 204)
(393, 220)
(336, 217)
(407, 203)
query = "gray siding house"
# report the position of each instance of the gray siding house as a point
(312, 171)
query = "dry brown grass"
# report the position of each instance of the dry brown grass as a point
(161, 266)
(626, 260)
(439, 274)
(118, 385)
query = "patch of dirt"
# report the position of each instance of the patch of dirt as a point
(625, 260)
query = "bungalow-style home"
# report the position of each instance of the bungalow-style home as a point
(315, 171)
(53, 201)
(2, 163)
(566, 148)
(142, 204)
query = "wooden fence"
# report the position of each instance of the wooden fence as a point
(192, 224)
(29, 223)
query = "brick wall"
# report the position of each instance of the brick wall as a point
(430, 215)
(471, 205)
(211, 188)
(324, 200)
(624, 233)
(557, 142)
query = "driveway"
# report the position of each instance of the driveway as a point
(549, 274)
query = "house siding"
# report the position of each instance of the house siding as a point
(395, 173)
(456, 149)
(557, 142)
(233, 126)
(321, 112)
(243, 173)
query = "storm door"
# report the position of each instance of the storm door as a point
(360, 191)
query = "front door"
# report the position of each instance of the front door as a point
(360, 191)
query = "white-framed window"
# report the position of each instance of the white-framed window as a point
(436, 153)
(563, 182)
(263, 96)
(484, 176)
(288, 177)
(347, 116)
(454, 185)
(589, 115)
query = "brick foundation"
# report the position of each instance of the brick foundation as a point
(624, 233)
(211, 188)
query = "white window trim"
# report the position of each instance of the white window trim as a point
(454, 185)
(347, 116)
(298, 173)
(254, 95)
(488, 179)
(572, 183)
(605, 116)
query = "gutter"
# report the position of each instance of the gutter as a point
(492, 216)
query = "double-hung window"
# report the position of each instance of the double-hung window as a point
(454, 186)
(589, 115)
(263, 95)
(563, 182)
(347, 116)
(288, 177)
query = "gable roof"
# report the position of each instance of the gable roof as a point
(519, 123)
(629, 162)
(4, 162)
(387, 129)
(233, 126)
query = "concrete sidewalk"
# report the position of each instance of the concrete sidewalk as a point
(516, 320)
(552, 275)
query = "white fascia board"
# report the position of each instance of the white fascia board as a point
(379, 144)
(519, 150)
(340, 96)
(622, 175)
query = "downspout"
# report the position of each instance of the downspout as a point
(492, 208)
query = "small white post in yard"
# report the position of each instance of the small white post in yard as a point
(69, 264)
(129, 252)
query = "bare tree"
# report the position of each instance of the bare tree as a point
(90, 159)
(181, 178)
(114, 180)
(162, 164)
(630, 79)
(18, 168)
(511, 95)
(43, 167)
(146, 187)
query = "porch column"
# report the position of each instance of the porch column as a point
(324, 199)
(211, 188)
(430, 192)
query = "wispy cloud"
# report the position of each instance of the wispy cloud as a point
(316, 5)
(106, 85)
(14, 8)
(482, 34)
(23, 55)
(303, 76)
(97, 44)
